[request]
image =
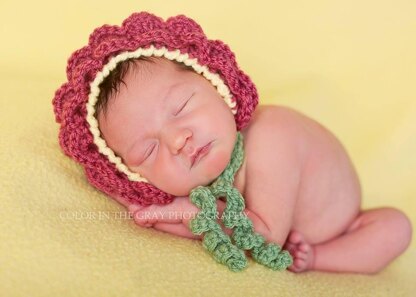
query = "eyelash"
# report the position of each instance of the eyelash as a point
(150, 152)
(183, 106)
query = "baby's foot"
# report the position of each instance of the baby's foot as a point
(301, 251)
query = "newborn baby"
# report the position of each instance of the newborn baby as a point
(156, 113)
(301, 191)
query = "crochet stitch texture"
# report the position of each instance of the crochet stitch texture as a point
(215, 240)
(145, 34)
(182, 39)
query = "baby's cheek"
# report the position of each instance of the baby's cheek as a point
(177, 185)
(216, 163)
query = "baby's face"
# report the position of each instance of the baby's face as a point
(160, 117)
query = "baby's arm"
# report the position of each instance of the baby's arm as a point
(167, 217)
(275, 160)
(174, 218)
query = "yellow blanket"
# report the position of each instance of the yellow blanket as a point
(349, 64)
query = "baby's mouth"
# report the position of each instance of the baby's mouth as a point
(200, 153)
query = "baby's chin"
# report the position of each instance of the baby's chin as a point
(215, 167)
(206, 171)
(184, 187)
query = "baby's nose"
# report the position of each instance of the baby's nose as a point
(189, 150)
(179, 140)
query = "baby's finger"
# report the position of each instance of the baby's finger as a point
(132, 208)
(142, 220)
(176, 212)
(164, 214)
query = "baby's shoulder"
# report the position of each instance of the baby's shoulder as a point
(272, 141)
(276, 125)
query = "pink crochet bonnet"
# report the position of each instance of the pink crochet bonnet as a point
(141, 34)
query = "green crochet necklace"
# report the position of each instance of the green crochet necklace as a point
(215, 240)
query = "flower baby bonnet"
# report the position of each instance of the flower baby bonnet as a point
(179, 39)
(182, 40)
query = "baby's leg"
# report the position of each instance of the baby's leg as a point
(373, 240)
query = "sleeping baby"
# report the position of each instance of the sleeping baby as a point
(153, 110)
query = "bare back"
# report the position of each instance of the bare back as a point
(329, 194)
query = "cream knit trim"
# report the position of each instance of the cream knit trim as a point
(151, 51)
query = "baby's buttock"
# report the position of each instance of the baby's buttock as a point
(330, 194)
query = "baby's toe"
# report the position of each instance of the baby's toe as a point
(304, 247)
(295, 237)
(298, 265)
(300, 255)
(288, 246)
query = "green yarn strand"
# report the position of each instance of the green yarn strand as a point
(215, 240)
(272, 257)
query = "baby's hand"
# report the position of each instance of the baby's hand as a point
(172, 213)
(174, 217)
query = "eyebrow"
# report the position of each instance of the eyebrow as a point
(170, 91)
(164, 101)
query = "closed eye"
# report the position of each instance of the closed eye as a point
(183, 106)
(153, 148)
